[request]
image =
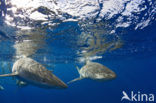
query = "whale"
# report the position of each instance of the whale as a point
(94, 71)
(32, 72)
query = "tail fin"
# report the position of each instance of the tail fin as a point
(76, 79)
(7, 75)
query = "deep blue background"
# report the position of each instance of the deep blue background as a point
(135, 72)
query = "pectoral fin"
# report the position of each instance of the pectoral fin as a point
(76, 79)
(20, 83)
(7, 75)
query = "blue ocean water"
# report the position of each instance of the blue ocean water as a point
(60, 44)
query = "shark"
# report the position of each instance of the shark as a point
(94, 71)
(32, 72)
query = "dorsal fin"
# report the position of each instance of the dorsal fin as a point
(11, 74)
(76, 79)
(87, 62)
(78, 69)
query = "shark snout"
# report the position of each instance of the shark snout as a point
(59, 83)
(63, 85)
(112, 75)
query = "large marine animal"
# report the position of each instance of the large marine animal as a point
(94, 71)
(30, 71)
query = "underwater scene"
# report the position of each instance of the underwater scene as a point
(77, 51)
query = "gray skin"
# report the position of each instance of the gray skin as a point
(95, 71)
(30, 71)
